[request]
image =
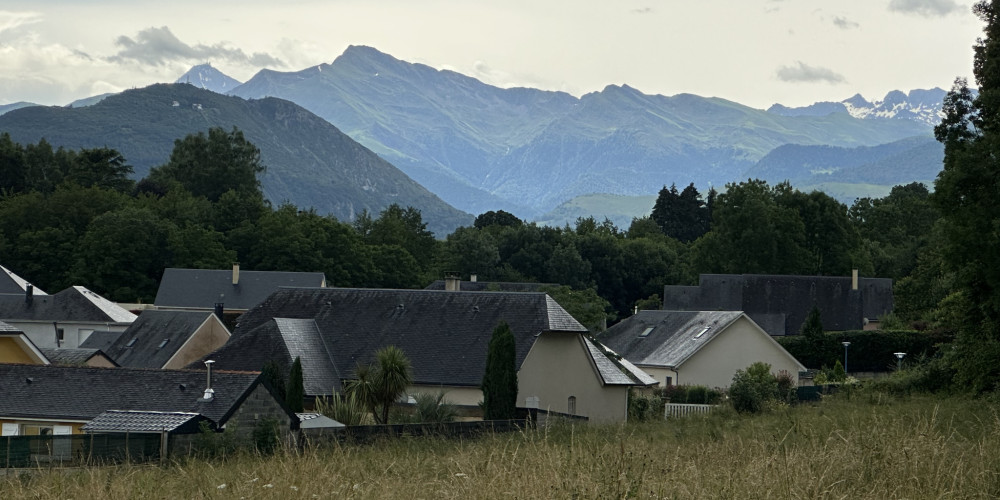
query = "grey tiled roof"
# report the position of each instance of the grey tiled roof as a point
(614, 369)
(82, 393)
(154, 337)
(143, 421)
(12, 283)
(202, 288)
(4, 327)
(444, 334)
(64, 356)
(75, 303)
(672, 338)
(780, 303)
(100, 339)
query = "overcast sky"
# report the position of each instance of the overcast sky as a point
(756, 52)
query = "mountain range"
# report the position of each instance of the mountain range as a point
(309, 162)
(524, 150)
(542, 155)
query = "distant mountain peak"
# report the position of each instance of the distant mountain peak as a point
(920, 105)
(206, 77)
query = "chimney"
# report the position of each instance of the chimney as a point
(473, 277)
(29, 293)
(236, 273)
(452, 282)
(209, 392)
(854, 279)
(218, 310)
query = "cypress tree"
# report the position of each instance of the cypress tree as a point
(296, 388)
(500, 380)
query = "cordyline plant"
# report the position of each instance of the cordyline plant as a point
(378, 385)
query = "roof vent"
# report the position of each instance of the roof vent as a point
(475, 308)
(29, 380)
(209, 392)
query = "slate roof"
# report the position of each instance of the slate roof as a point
(444, 334)
(154, 337)
(4, 327)
(74, 304)
(614, 369)
(83, 393)
(79, 356)
(780, 303)
(100, 339)
(672, 337)
(145, 421)
(491, 286)
(12, 283)
(203, 288)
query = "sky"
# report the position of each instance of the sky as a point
(755, 52)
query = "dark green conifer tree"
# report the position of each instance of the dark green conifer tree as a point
(295, 394)
(500, 380)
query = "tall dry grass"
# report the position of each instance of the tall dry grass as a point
(869, 448)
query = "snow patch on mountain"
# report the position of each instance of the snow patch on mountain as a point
(206, 77)
(921, 105)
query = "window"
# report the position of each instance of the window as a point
(670, 381)
(163, 343)
(645, 333)
(571, 405)
(702, 332)
(132, 342)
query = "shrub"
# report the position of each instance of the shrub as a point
(643, 407)
(753, 388)
(431, 408)
(348, 410)
(690, 394)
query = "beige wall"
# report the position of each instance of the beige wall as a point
(559, 366)
(43, 333)
(660, 374)
(101, 362)
(211, 335)
(737, 347)
(14, 351)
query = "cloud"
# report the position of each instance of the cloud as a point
(643, 10)
(926, 8)
(10, 21)
(802, 72)
(158, 47)
(844, 23)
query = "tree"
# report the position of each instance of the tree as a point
(498, 218)
(684, 215)
(274, 374)
(210, 165)
(813, 325)
(296, 391)
(753, 388)
(500, 380)
(966, 193)
(378, 385)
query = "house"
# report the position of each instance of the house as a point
(453, 283)
(445, 335)
(202, 289)
(12, 283)
(163, 339)
(62, 320)
(39, 400)
(696, 347)
(780, 303)
(16, 347)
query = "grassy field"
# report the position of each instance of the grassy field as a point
(867, 447)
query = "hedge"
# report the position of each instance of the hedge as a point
(870, 350)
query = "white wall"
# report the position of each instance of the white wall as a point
(737, 347)
(43, 333)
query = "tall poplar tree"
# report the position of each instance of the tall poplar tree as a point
(967, 192)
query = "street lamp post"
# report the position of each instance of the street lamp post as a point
(899, 360)
(845, 344)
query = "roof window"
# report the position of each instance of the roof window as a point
(702, 332)
(645, 333)
(163, 343)
(132, 342)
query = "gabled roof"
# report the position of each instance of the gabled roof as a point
(100, 339)
(444, 334)
(79, 356)
(23, 342)
(12, 283)
(74, 304)
(666, 338)
(614, 369)
(154, 337)
(203, 288)
(145, 421)
(82, 393)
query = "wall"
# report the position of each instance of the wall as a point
(559, 366)
(13, 351)
(43, 334)
(738, 346)
(210, 336)
(459, 396)
(259, 405)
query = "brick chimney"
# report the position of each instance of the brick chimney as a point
(452, 282)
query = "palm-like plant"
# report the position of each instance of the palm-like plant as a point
(378, 385)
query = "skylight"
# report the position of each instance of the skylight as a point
(163, 343)
(132, 342)
(645, 333)
(702, 332)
